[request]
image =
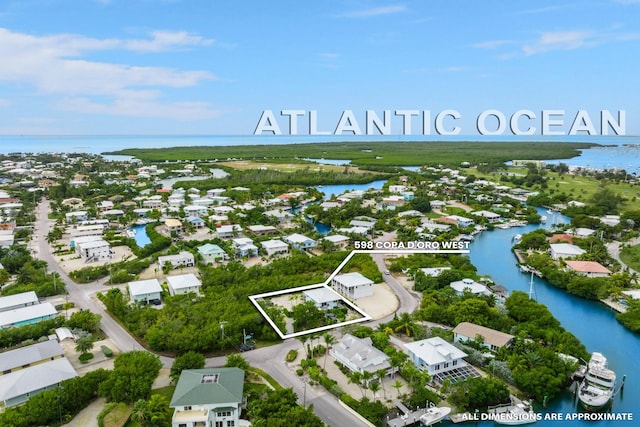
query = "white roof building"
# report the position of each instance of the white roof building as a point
(144, 290)
(24, 299)
(469, 285)
(359, 355)
(435, 355)
(27, 315)
(564, 250)
(274, 246)
(183, 284)
(353, 285)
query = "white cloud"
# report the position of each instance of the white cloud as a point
(4, 103)
(492, 44)
(55, 65)
(559, 40)
(378, 11)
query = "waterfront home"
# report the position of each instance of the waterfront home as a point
(142, 212)
(228, 231)
(461, 221)
(283, 217)
(182, 259)
(361, 231)
(359, 355)
(471, 286)
(13, 302)
(489, 338)
(183, 284)
(27, 315)
(324, 298)
(564, 250)
(439, 359)
(172, 225)
(153, 202)
(211, 253)
(244, 247)
(299, 241)
(145, 291)
(87, 230)
(208, 397)
(488, 215)
(588, 268)
(369, 225)
(353, 285)
(19, 386)
(274, 247)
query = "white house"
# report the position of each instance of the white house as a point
(298, 241)
(274, 247)
(434, 271)
(76, 216)
(144, 291)
(183, 284)
(244, 247)
(435, 356)
(184, 258)
(338, 240)
(93, 250)
(564, 250)
(228, 231)
(490, 216)
(359, 355)
(12, 302)
(324, 298)
(208, 397)
(469, 285)
(353, 285)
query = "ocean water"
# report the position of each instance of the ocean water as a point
(617, 151)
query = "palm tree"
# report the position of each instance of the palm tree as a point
(380, 375)
(84, 344)
(397, 385)
(140, 412)
(329, 339)
(356, 378)
(406, 324)
(366, 379)
(374, 386)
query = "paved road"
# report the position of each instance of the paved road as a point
(270, 359)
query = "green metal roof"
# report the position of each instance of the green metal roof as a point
(226, 386)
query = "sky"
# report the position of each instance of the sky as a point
(96, 67)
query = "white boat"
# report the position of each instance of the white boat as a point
(434, 415)
(130, 233)
(598, 386)
(515, 415)
(543, 218)
(517, 239)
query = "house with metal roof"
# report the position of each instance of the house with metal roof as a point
(275, 247)
(24, 299)
(353, 285)
(208, 397)
(324, 298)
(183, 284)
(17, 387)
(24, 357)
(439, 359)
(359, 355)
(143, 291)
(489, 338)
(564, 250)
(27, 315)
(212, 253)
(184, 258)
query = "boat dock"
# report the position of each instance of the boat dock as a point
(409, 418)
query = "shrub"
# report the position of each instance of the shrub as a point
(292, 355)
(85, 357)
(299, 372)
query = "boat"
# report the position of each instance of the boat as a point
(131, 233)
(514, 415)
(517, 239)
(596, 390)
(434, 415)
(543, 218)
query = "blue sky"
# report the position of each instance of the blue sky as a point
(212, 67)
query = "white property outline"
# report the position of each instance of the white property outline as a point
(365, 316)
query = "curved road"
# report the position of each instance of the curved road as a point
(270, 359)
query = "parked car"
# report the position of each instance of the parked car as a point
(247, 347)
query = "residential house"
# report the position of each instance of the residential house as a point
(438, 358)
(76, 216)
(244, 247)
(469, 285)
(353, 285)
(173, 225)
(323, 297)
(228, 231)
(212, 253)
(27, 315)
(196, 221)
(461, 221)
(183, 284)
(93, 250)
(261, 230)
(194, 210)
(564, 250)
(369, 225)
(145, 291)
(434, 271)
(13, 302)
(588, 268)
(487, 337)
(488, 215)
(31, 355)
(299, 241)
(19, 386)
(208, 397)
(338, 240)
(283, 217)
(184, 259)
(359, 355)
(275, 247)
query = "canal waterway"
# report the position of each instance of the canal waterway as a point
(591, 322)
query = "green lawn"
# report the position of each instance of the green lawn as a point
(631, 256)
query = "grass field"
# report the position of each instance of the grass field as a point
(372, 153)
(631, 256)
(577, 187)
